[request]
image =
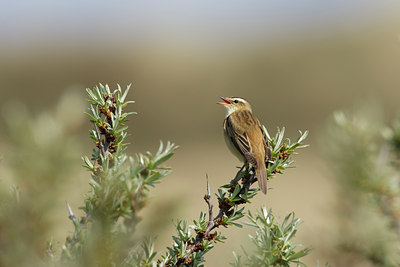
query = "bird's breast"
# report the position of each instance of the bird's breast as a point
(233, 148)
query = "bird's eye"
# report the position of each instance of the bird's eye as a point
(236, 101)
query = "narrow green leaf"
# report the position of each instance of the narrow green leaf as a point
(236, 191)
(125, 93)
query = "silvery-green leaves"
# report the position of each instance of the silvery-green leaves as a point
(119, 186)
(190, 246)
(281, 150)
(273, 241)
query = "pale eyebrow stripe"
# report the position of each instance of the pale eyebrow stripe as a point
(239, 99)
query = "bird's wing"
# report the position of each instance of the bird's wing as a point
(241, 141)
(268, 152)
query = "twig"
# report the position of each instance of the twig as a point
(217, 221)
(207, 198)
(229, 197)
(74, 221)
(71, 214)
(103, 150)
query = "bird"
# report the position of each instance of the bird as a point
(245, 137)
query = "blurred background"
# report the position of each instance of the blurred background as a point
(295, 61)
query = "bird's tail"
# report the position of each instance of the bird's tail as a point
(261, 174)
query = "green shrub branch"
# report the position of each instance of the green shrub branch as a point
(189, 249)
(119, 183)
(119, 187)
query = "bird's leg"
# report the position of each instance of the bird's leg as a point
(248, 180)
(253, 175)
(242, 167)
(247, 176)
(240, 174)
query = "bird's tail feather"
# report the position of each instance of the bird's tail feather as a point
(261, 174)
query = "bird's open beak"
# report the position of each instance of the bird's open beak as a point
(226, 101)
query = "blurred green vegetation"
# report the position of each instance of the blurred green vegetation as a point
(41, 153)
(364, 156)
(119, 189)
(295, 82)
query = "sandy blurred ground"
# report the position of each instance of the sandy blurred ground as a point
(295, 78)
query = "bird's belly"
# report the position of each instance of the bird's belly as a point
(233, 149)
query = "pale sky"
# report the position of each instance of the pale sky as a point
(233, 21)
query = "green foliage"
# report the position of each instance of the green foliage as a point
(273, 245)
(119, 187)
(282, 149)
(235, 193)
(38, 156)
(189, 249)
(143, 257)
(119, 184)
(365, 157)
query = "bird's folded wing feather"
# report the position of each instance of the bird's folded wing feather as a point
(241, 141)
(268, 152)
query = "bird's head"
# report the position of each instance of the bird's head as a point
(234, 103)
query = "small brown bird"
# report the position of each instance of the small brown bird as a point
(245, 138)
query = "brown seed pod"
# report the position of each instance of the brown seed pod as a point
(102, 110)
(112, 148)
(103, 129)
(110, 138)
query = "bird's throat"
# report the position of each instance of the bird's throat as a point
(229, 110)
